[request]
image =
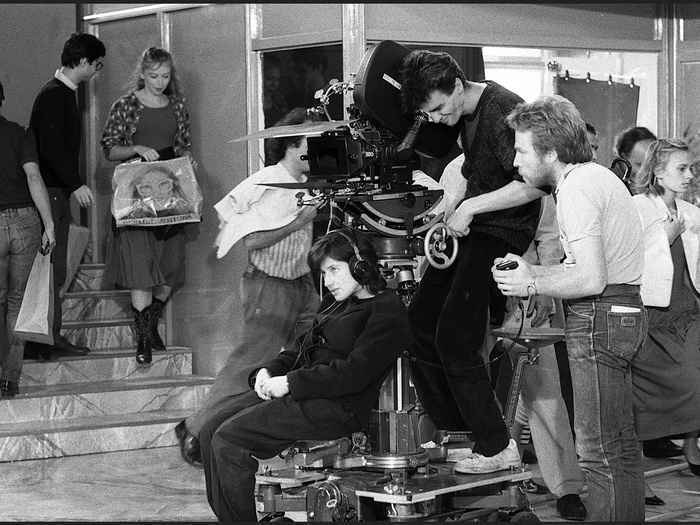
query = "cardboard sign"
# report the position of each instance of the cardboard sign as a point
(156, 193)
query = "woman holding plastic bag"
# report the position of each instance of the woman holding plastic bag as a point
(149, 123)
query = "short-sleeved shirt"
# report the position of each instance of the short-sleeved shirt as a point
(17, 147)
(593, 201)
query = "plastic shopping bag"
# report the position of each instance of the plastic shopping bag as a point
(156, 193)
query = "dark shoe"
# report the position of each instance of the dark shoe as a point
(63, 346)
(529, 457)
(156, 310)
(143, 334)
(570, 507)
(695, 469)
(654, 501)
(189, 445)
(38, 351)
(661, 448)
(8, 388)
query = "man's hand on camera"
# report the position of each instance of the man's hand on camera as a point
(513, 282)
(458, 223)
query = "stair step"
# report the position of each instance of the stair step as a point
(92, 305)
(99, 323)
(105, 364)
(97, 294)
(89, 435)
(93, 422)
(103, 401)
(99, 398)
(88, 276)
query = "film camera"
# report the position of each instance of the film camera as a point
(366, 167)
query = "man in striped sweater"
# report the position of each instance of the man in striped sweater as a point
(277, 288)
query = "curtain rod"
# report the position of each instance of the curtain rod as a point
(610, 79)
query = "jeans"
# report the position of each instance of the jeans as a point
(20, 240)
(601, 344)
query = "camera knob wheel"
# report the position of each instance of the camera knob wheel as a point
(437, 239)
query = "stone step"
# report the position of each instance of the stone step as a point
(96, 305)
(102, 398)
(88, 276)
(105, 364)
(106, 333)
(89, 435)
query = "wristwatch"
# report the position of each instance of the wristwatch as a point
(532, 288)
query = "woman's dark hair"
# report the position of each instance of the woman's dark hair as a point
(276, 148)
(627, 139)
(337, 246)
(79, 46)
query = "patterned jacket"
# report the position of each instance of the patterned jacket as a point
(123, 120)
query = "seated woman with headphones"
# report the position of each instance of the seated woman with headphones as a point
(323, 388)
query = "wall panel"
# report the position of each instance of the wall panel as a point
(209, 46)
(298, 25)
(586, 26)
(125, 40)
(30, 30)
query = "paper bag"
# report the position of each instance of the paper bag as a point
(78, 238)
(35, 319)
(156, 193)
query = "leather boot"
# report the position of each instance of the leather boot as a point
(156, 310)
(143, 333)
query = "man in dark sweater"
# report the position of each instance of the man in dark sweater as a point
(498, 214)
(56, 124)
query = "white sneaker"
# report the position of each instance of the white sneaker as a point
(478, 464)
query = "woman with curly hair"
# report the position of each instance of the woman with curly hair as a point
(150, 122)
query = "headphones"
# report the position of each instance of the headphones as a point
(360, 269)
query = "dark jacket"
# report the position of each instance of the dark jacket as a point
(348, 353)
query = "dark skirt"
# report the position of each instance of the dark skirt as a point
(666, 371)
(143, 257)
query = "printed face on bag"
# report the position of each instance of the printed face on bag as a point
(156, 186)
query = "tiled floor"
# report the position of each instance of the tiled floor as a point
(156, 485)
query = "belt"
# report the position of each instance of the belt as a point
(612, 290)
(14, 212)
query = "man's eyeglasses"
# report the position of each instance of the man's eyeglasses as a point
(99, 66)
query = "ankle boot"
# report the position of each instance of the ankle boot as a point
(156, 310)
(143, 333)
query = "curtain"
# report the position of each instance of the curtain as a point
(610, 107)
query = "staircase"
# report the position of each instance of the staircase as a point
(104, 401)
